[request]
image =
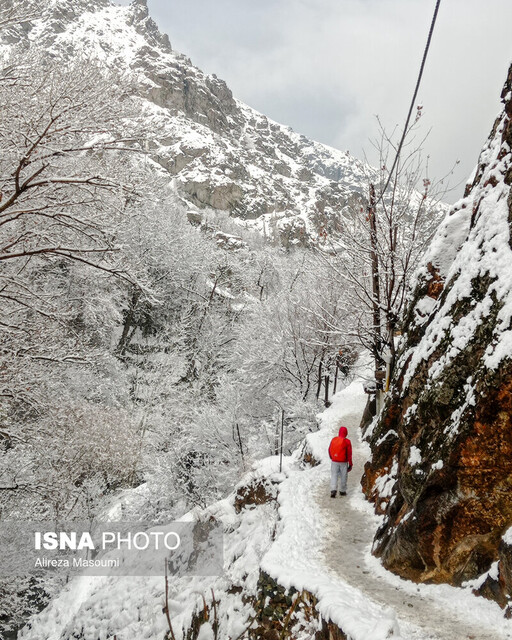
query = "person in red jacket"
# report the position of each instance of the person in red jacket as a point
(340, 452)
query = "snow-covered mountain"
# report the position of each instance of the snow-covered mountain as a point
(221, 153)
(442, 465)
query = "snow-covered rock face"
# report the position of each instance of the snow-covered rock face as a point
(221, 153)
(449, 413)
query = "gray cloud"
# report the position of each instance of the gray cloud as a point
(328, 67)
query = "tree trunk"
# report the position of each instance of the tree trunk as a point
(130, 324)
(319, 386)
(326, 394)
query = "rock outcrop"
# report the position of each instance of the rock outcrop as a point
(441, 471)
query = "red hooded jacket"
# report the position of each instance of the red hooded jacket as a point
(340, 449)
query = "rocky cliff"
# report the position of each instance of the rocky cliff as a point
(219, 152)
(441, 471)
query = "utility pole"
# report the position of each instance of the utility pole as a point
(377, 331)
(372, 219)
(282, 442)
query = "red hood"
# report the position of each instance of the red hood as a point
(343, 432)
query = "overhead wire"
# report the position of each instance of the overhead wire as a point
(413, 101)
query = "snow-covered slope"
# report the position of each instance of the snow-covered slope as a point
(222, 153)
(294, 568)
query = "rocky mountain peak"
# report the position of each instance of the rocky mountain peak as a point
(220, 153)
(145, 25)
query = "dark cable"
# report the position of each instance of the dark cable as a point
(413, 101)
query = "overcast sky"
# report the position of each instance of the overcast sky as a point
(328, 67)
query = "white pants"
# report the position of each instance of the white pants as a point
(339, 469)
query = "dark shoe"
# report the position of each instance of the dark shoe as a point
(333, 494)
(343, 493)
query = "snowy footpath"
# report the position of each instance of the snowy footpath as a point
(324, 546)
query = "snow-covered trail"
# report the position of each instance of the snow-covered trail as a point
(349, 526)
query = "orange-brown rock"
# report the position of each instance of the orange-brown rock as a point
(435, 284)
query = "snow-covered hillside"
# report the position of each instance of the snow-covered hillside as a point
(297, 565)
(221, 153)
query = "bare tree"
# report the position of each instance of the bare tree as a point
(58, 125)
(65, 187)
(383, 237)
